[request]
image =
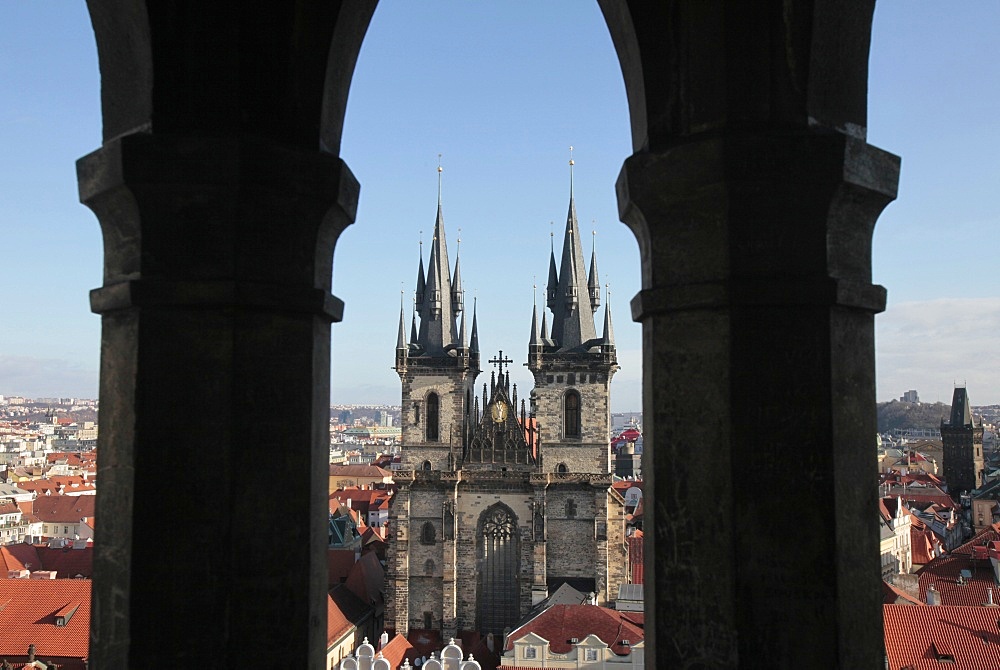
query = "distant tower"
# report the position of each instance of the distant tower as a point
(437, 367)
(573, 365)
(962, 439)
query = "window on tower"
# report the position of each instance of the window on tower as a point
(433, 410)
(572, 414)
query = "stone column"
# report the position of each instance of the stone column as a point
(759, 396)
(215, 364)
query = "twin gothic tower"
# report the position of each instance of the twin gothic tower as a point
(501, 501)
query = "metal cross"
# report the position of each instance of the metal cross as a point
(500, 361)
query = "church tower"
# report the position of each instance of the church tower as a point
(962, 440)
(480, 531)
(572, 365)
(439, 365)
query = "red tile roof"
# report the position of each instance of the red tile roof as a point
(64, 509)
(918, 637)
(337, 625)
(395, 650)
(944, 572)
(29, 616)
(560, 623)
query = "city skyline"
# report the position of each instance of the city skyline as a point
(502, 99)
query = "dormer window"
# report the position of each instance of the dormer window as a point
(530, 652)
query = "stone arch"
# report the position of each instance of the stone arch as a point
(562, 468)
(748, 125)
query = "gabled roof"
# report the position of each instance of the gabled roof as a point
(561, 623)
(395, 650)
(893, 595)
(64, 509)
(918, 637)
(30, 613)
(337, 624)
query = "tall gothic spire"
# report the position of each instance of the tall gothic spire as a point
(572, 325)
(553, 285)
(437, 313)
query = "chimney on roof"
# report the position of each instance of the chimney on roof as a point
(933, 596)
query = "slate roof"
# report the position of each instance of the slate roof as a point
(961, 638)
(560, 623)
(30, 612)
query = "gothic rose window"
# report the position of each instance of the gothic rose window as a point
(499, 590)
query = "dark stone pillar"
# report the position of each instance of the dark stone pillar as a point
(758, 338)
(215, 364)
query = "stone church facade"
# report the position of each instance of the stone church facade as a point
(501, 501)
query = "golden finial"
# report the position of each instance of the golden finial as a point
(571, 155)
(440, 169)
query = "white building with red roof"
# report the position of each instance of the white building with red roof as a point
(571, 636)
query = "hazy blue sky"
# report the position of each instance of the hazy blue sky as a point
(502, 95)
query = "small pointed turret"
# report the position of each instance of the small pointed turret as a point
(401, 336)
(413, 327)
(533, 341)
(553, 285)
(608, 337)
(474, 343)
(421, 280)
(545, 326)
(463, 341)
(594, 284)
(457, 294)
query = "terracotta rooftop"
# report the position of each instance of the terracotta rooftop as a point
(945, 573)
(358, 471)
(54, 615)
(560, 623)
(337, 624)
(395, 650)
(962, 638)
(64, 509)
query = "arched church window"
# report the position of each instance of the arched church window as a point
(572, 414)
(433, 408)
(427, 533)
(562, 468)
(429, 567)
(426, 465)
(498, 553)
